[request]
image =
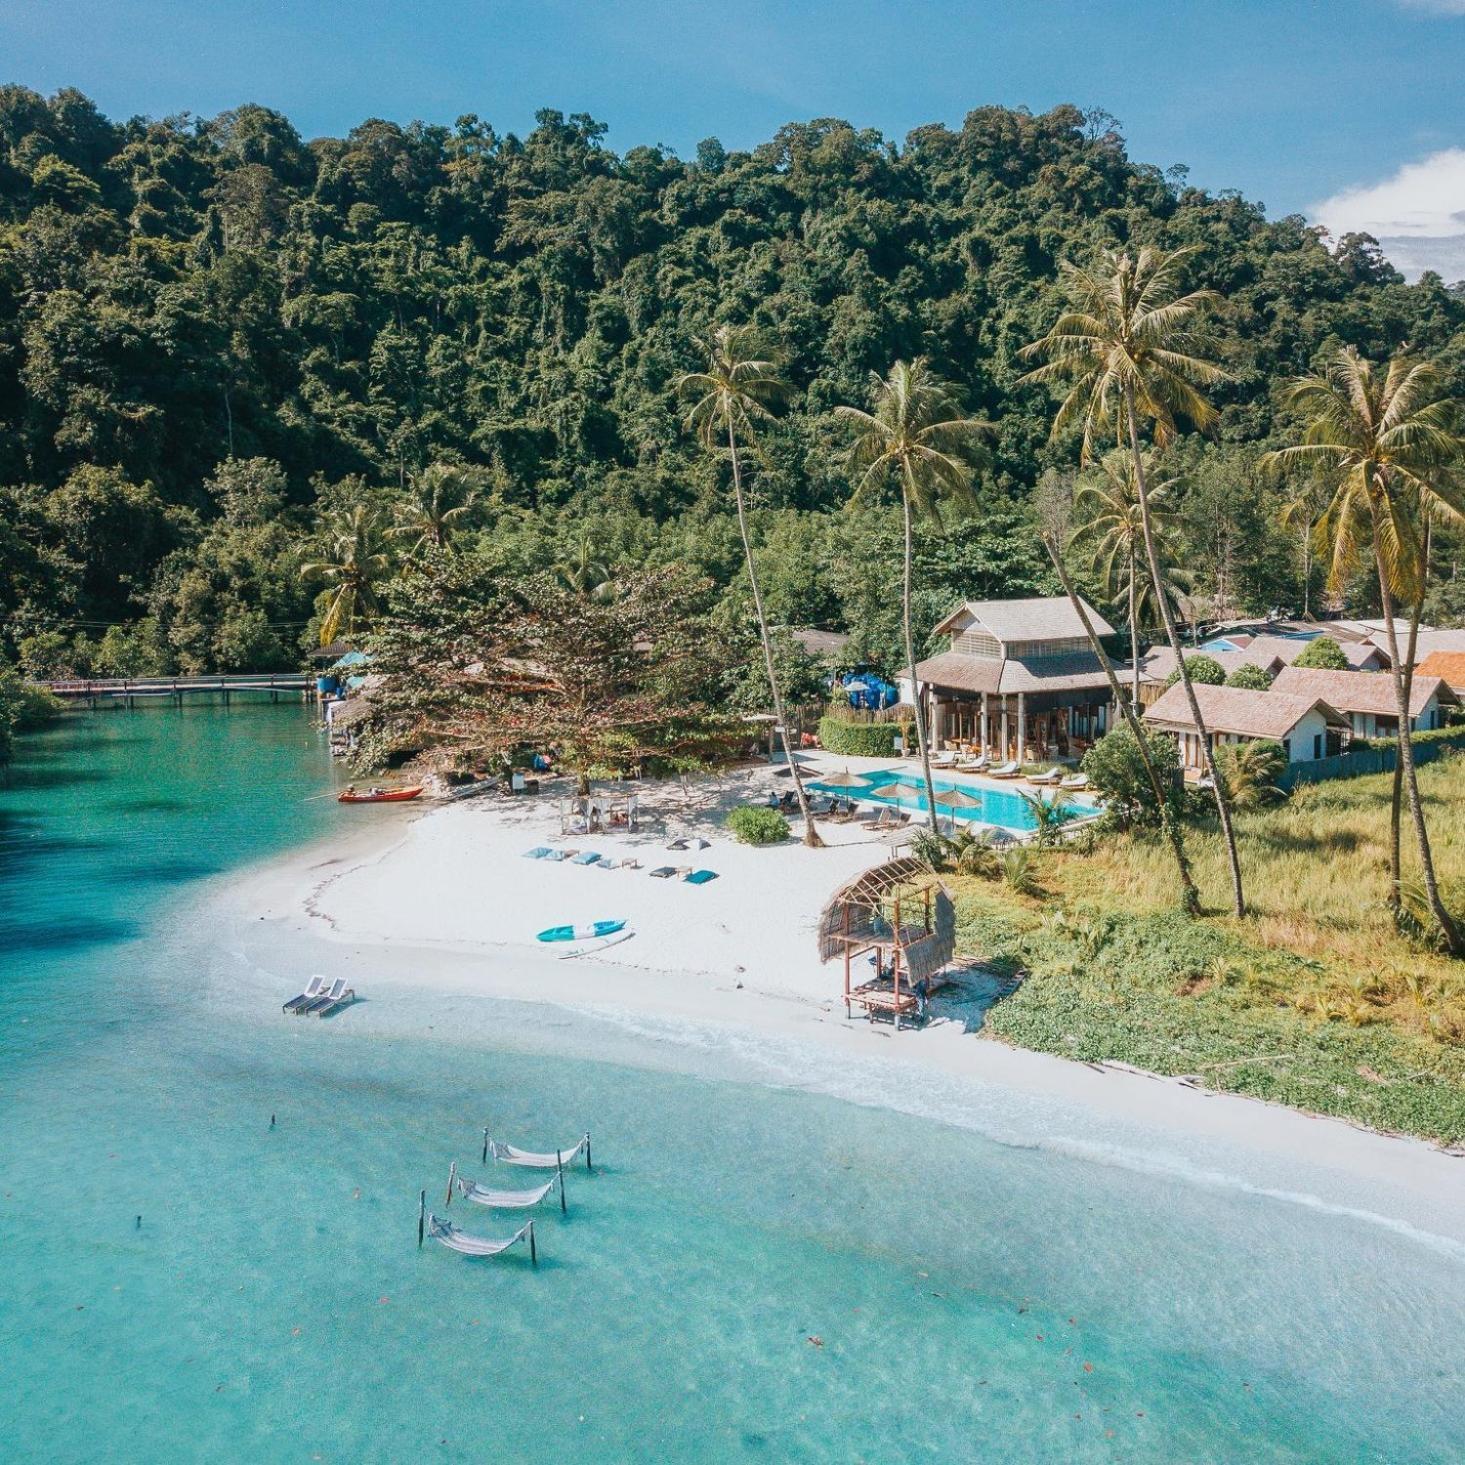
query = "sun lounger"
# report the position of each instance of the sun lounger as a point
(329, 998)
(1007, 770)
(1075, 781)
(663, 872)
(539, 852)
(314, 988)
(700, 877)
(333, 1001)
(1046, 779)
(886, 819)
(972, 765)
(589, 857)
(943, 760)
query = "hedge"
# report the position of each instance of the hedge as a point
(859, 739)
(752, 825)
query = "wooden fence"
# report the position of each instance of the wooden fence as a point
(1375, 757)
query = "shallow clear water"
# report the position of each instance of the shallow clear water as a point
(1004, 808)
(971, 1299)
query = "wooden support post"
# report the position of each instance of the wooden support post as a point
(533, 1252)
(588, 1165)
(452, 1176)
(559, 1163)
(421, 1216)
(485, 1145)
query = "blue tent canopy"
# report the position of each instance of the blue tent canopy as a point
(351, 658)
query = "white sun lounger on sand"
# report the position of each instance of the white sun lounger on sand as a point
(314, 988)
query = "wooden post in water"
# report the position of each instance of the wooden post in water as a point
(559, 1163)
(485, 1144)
(452, 1175)
(588, 1165)
(533, 1254)
(421, 1217)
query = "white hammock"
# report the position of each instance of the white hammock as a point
(456, 1240)
(512, 1155)
(504, 1200)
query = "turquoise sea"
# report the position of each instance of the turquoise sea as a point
(758, 1269)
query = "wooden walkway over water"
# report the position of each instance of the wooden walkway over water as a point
(128, 691)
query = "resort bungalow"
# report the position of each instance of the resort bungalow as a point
(1306, 727)
(1367, 699)
(1019, 680)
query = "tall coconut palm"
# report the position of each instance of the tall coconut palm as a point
(1111, 526)
(737, 393)
(917, 436)
(354, 564)
(1054, 514)
(1128, 347)
(441, 499)
(1387, 441)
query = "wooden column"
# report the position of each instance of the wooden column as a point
(1021, 727)
(986, 738)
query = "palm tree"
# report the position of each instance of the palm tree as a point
(354, 564)
(1053, 513)
(1251, 770)
(441, 500)
(916, 435)
(1111, 523)
(736, 393)
(1127, 346)
(1388, 442)
(586, 576)
(1048, 815)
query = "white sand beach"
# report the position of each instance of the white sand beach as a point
(444, 899)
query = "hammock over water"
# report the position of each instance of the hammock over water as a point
(535, 1160)
(504, 1200)
(456, 1240)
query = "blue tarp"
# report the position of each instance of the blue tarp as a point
(351, 658)
(868, 692)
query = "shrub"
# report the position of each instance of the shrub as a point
(1202, 668)
(860, 739)
(1250, 771)
(1117, 772)
(1324, 654)
(1018, 871)
(758, 826)
(1252, 678)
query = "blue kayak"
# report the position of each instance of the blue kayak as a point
(582, 933)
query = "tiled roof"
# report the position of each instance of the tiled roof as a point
(1447, 664)
(1038, 618)
(1237, 710)
(1076, 671)
(1360, 691)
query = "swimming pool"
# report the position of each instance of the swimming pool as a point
(1005, 808)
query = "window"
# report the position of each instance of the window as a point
(1065, 647)
(1317, 745)
(1287, 748)
(976, 643)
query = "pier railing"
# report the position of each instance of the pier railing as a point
(95, 689)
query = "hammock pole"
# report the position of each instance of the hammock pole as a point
(485, 1144)
(452, 1175)
(588, 1165)
(421, 1217)
(533, 1254)
(559, 1165)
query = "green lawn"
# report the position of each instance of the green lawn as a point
(1314, 1000)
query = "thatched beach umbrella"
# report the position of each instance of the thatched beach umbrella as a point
(842, 780)
(955, 798)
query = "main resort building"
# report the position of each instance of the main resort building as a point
(1019, 680)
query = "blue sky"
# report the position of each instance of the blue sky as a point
(1350, 110)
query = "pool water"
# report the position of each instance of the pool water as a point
(1003, 808)
(783, 1255)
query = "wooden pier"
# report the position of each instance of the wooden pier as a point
(129, 691)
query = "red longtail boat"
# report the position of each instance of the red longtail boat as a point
(379, 795)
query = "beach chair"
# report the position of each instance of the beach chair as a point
(1046, 780)
(539, 852)
(589, 857)
(973, 764)
(314, 988)
(699, 877)
(943, 760)
(329, 998)
(1007, 770)
(1075, 781)
(334, 1001)
(883, 820)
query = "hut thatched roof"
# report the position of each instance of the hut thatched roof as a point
(855, 910)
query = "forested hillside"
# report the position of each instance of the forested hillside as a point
(215, 336)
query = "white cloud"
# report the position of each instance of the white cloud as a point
(1418, 215)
